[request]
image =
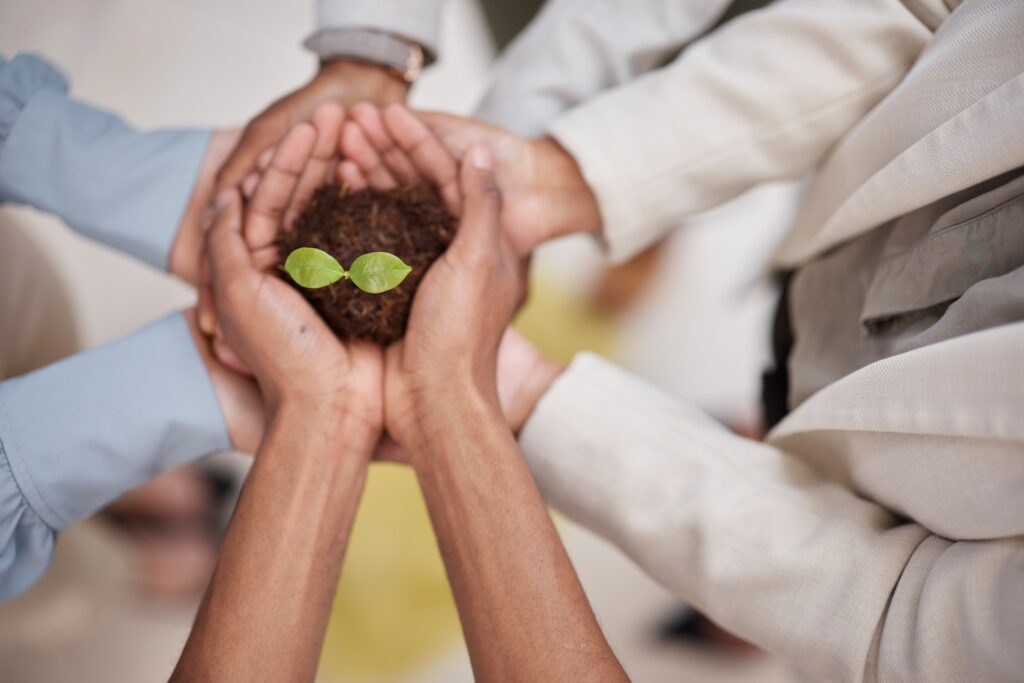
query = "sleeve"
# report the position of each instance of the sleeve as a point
(575, 49)
(77, 434)
(125, 188)
(762, 98)
(416, 20)
(803, 567)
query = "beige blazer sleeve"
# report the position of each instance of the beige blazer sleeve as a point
(575, 49)
(415, 20)
(798, 564)
(762, 98)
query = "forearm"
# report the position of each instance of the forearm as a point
(266, 609)
(524, 613)
(793, 562)
(575, 49)
(762, 99)
(82, 431)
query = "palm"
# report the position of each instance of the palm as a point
(515, 171)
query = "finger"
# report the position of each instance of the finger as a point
(227, 356)
(206, 312)
(270, 200)
(436, 163)
(224, 242)
(479, 230)
(249, 184)
(264, 159)
(327, 119)
(266, 258)
(356, 147)
(351, 176)
(394, 157)
(256, 140)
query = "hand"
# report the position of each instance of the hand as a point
(293, 355)
(523, 373)
(546, 195)
(186, 253)
(458, 317)
(303, 160)
(238, 396)
(343, 82)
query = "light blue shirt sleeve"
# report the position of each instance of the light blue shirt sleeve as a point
(122, 187)
(77, 434)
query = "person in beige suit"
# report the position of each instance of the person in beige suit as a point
(878, 532)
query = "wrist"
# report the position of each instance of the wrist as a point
(567, 198)
(358, 80)
(445, 423)
(333, 422)
(435, 405)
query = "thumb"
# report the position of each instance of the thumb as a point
(479, 230)
(224, 242)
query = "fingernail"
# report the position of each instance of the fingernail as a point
(482, 159)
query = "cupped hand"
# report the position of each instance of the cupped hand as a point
(377, 159)
(459, 315)
(293, 355)
(342, 82)
(546, 195)
(305, 159)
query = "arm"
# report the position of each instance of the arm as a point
(803, 567)
(575, 49)
(763, 98)
(265, 611)
(77, 434)
(141, 193)
(267, 605)
(523, 611)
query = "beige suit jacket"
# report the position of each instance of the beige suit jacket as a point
(879, 533)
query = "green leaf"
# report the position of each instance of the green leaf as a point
(378, 272)
(313, 268)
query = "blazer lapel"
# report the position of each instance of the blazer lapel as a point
(970, 386)
(953, 122)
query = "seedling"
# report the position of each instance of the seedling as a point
(374, 273)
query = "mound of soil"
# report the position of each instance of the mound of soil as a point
(411, 223)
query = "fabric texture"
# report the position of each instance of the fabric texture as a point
(576, 49)
(126, 411)
(948, 269)
(878, 533)
(416, 20)
(817, 563)
(122, 187)
(26, 541)
(77, 434)
(763, 98)
(20, 79)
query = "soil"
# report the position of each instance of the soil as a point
(411, 223)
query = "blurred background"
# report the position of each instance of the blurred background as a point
(690, 315)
